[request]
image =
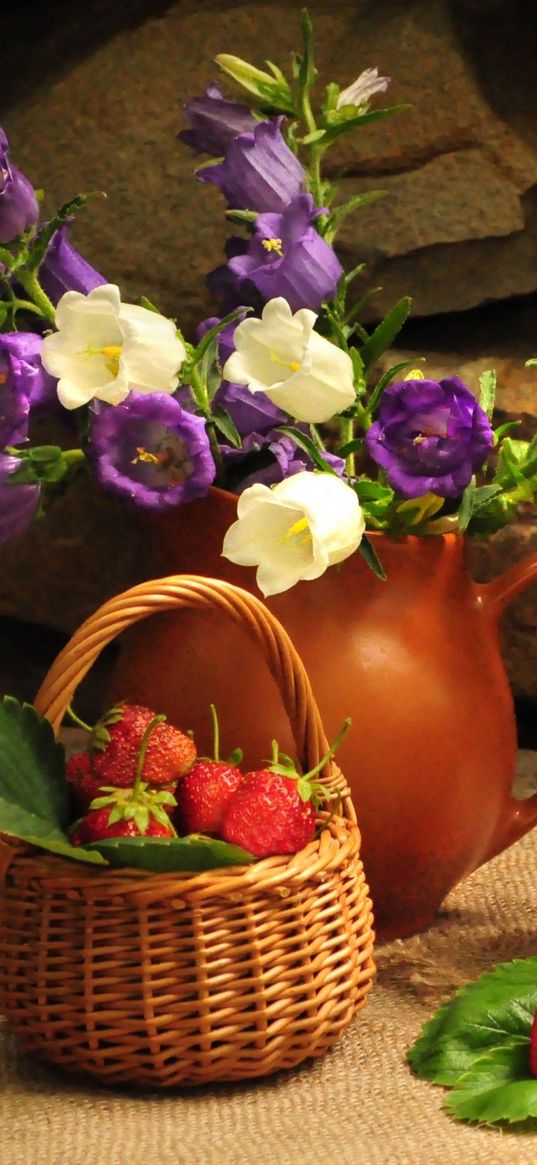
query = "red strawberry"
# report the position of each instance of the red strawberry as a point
(267, 815)
(115, 743)
(138, 811)
(203, 794)
(533, 1046)
(96, 826)
(274, 810)
(84, 784)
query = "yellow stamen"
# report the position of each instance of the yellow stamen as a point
(414, 374)
(273, 245)
(298, 527)
(112, 352)
(3, 377)
(143, 455)
(293, 365)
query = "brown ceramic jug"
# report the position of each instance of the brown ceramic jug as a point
(415, 662)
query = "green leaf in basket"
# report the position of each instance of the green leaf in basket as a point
(493, 1011)
(497, 1087)
(170, 854)
(32, 764)
(18, 822)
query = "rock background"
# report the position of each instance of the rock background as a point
(91, 99)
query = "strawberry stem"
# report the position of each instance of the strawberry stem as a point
(216, 733)
(333, 748)
(142, 753)
(76, 720)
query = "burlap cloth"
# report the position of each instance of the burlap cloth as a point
(359, 1105)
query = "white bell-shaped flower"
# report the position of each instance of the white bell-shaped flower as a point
(294, 530)
(103, 348)
(299, 370)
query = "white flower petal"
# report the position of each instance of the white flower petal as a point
(294, 530)
(103, 348)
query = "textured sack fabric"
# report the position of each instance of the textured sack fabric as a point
(359, 1105)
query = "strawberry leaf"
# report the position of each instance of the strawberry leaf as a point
(497, 1087)
(163, 854)
(36, 830)
(494, 1010)
(32, 766)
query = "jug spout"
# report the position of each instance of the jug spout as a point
(498, 594)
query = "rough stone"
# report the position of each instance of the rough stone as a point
(92, 101)
(459, 169)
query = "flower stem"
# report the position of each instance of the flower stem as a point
(347, 434)
(33, 288)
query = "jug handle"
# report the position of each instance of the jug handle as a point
(495, 596)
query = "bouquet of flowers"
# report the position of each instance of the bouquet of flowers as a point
(278, 398)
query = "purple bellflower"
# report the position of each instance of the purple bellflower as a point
(19, 209)
(64, 268)
(151, 451)
(259, 171)
(18, 503)
(286, 256)
(22, 373)
(214, 122)
(269, 457)
(430, 437)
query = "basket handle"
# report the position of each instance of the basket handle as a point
(196, 592)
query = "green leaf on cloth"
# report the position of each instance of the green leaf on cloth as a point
(497, 1087)
(493, 1011)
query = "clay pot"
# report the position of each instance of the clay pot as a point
(415, 662)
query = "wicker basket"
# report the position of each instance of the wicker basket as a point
(181, 979)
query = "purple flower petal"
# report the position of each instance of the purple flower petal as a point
(430, 437)
(285, 257)
(18, 204)
(65, 269)
(259, 171)
(20, 364)
(18, 503)
(214, 122)
(151, 451)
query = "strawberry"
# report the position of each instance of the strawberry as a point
(138, 811)
(115, 742)
(533, 1046)
(79, 775)
(267, 816)
(96, 826)
(203, 794)
(274, 810)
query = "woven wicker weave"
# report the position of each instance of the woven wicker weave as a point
(168, 979)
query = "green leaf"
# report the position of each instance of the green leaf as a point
(503, 430)
(370, 556)
(32, 764)
(384, 335)
(466, 507)
(261, 86)
(308, 446)
(27, 826)
(162, 854)
(39, 247)
(488, 1012)
(341, 123)
(225, 425)
(487, 391)
(497, 1087)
